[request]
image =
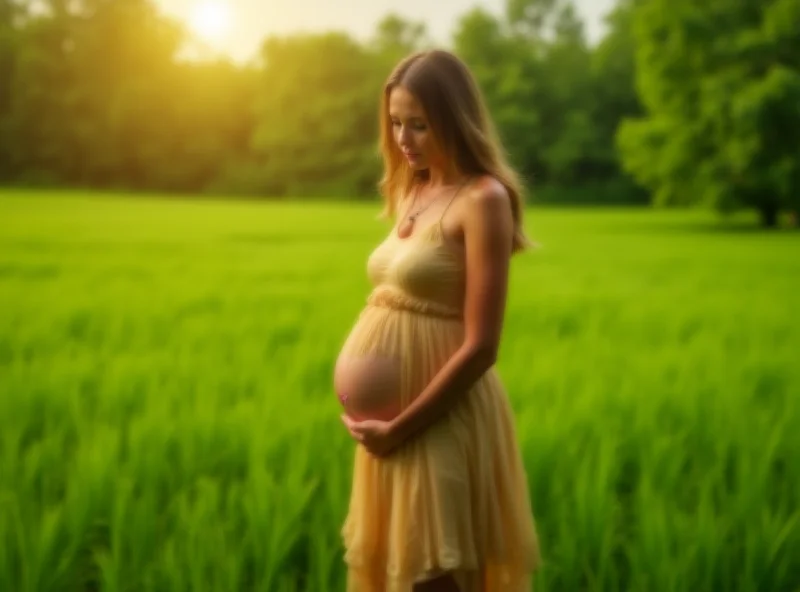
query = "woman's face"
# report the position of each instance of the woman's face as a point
(411, 131)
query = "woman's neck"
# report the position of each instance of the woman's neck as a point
(439, 177)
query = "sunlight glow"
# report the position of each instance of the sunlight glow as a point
(211, 20)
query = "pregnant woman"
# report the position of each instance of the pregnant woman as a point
(439, 497)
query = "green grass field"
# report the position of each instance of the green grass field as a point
(167, 421)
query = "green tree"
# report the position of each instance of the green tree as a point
(97, 97)
(87, 92)
(10, 13)
(317, 118)
(557, 101)
(720, 81)
(94, 93)
(508, 74)
(614, 98)
(570, 135)
(397, 36)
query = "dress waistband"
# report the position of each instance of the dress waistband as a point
(389, 297)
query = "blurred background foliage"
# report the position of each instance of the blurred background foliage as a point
(680, 103)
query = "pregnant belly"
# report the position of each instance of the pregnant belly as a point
(368, 386)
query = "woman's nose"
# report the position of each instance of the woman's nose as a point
(403, 136)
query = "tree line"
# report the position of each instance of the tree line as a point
(679, 103)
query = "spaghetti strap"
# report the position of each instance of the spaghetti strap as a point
(452, 199)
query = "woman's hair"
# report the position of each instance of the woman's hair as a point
(461, 127)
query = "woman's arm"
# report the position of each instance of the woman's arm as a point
(488, 228)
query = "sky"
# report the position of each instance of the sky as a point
(253, 20)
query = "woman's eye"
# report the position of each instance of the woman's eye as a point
(420, 127)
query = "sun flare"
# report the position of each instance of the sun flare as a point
(211, 20)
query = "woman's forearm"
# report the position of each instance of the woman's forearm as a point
(452, 381)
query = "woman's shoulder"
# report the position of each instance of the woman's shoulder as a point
(485, 210)
(494, 209)
(480, 192)
(487, 188)
(487, 193)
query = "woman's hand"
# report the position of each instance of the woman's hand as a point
(378, 437)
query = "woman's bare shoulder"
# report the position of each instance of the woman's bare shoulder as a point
(486, 200)
(487, 196)
(487, 187)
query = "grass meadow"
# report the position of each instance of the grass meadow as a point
(167, 421)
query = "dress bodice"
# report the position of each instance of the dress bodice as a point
(425, 267)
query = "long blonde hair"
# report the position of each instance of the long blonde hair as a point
(461, 125)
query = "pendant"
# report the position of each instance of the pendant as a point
(405, 228)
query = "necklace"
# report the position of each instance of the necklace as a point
(410, 219)
(413, 217)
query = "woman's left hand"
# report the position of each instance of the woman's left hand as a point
(376, 436)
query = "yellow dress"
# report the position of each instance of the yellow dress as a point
(455, 497)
